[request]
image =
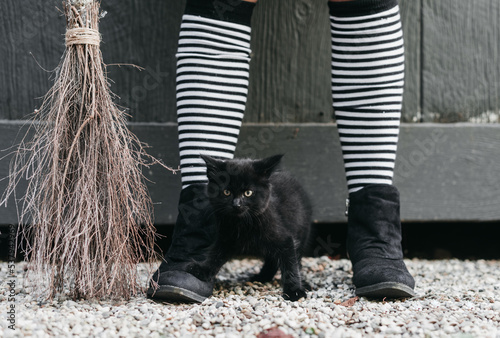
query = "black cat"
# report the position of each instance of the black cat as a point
(262, 211)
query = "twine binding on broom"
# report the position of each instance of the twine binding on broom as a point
(83, 36)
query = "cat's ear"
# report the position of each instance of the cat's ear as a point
(213, 165)
(268, 165)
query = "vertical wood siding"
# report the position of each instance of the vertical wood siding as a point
(452, 58)
(461, 60)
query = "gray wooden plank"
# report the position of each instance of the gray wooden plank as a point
(449, 172)
(137, 32)
(29, 43)
(461, 49)
(290, 69)
(444, 172)
(411, 20)
(143, 33)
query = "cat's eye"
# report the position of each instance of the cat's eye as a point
(248, 193)
(227, 192)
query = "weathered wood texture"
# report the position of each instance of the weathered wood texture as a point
(412, 30)
(452, 53)
(140, 32)
(28, 30)
(445, 173)
(461, 57)
(137, 32)
(454, 77)
(291, 76)
(290, 70)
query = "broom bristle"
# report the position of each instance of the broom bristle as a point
(88, 211)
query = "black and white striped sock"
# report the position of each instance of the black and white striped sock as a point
(367, 87)
(212, 82)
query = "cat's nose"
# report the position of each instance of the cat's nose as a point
(237, 203)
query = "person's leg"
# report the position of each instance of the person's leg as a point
(367, 89)
(212, 83)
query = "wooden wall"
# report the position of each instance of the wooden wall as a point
(452, 58)
(452, 75)
(460, 60)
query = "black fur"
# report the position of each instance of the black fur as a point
(262, 211)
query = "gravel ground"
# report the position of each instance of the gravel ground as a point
(456, 298)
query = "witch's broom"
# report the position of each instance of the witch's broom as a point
(88, 210)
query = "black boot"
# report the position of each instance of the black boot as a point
(194, 232)
(374, 244)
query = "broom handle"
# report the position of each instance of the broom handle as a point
(79, 3)
(81, 7)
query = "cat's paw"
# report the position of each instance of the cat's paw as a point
(307, 286)
(294, 294)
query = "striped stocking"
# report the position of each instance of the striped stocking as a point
(367, 87)
(212, 82)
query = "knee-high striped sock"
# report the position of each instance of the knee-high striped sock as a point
(212, 82)
(367, 87)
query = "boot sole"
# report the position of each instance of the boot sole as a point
(175, 294)
(386, 290)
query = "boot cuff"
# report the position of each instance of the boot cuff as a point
(384, 191)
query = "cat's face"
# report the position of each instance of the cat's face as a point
(240, 188)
